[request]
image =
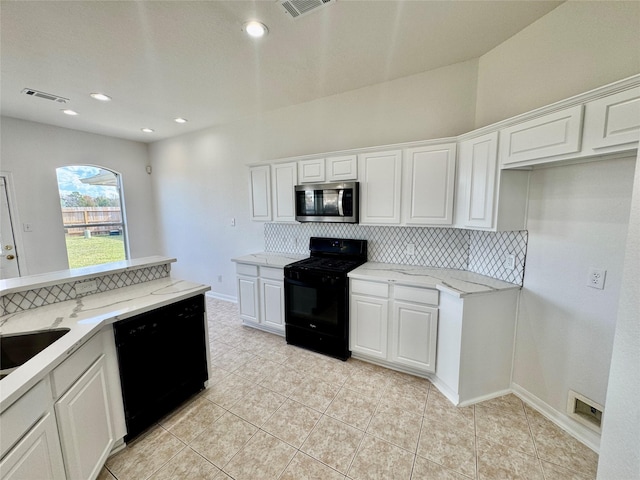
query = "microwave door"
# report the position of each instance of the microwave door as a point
(330, 203)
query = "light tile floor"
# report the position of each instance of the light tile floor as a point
(274, 411)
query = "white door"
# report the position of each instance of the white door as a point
(9, 257)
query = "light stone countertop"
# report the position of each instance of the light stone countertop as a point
(270, 259)
(458, 283)
(84, 317)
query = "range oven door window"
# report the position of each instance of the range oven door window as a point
(319, 308)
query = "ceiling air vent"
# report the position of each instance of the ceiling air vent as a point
(47, 96)
(299, 8)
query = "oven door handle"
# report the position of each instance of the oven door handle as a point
(318, 284)
(340, 201)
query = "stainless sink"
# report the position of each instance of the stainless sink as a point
(17, 348)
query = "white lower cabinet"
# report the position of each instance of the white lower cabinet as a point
(37, 455)
(369, 326)
(86, 403)
(414, 335)
(396, 325)
(272, 304)
(29, 437)
(261, 297)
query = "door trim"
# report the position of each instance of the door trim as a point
(16, 224)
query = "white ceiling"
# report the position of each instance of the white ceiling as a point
(164, 59)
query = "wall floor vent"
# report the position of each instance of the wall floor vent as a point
(299, 8)
(47, 96)
(585, 411)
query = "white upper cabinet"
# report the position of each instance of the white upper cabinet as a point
(380, 183)
(311, 171)
(429, 181)
(260, 189)
(342, 168)
(555, 134)
(612, 121)
(489, 198)
(478, 166)
(284, 180)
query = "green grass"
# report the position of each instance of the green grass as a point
(83, 252)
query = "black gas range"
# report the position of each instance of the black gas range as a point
(317, 295)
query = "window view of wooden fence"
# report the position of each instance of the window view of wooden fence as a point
(97, 220)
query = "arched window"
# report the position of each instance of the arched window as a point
(92, 214)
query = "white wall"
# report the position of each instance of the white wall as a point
(577, 218)
(33, 151)
(201, 179)
(620, 452)
(574, 48)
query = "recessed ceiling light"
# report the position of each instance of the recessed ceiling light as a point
(101, 96)
(147, 130)
(256, 29)
(180, 120)
(69, 112)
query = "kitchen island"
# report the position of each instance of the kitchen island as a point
(71, 435)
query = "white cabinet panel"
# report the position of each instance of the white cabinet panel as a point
(85, 449)
(260, 189)
(272, 303)
(37, 455)
(342, 168)
(248, 299)
(380, 183)
(554, 134)
(613, 121)
(429, 179)
(369, 326)
(285, 176)
(414, 333)
(311, 171)
(478, 165)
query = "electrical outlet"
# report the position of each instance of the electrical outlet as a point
(410, 249)
(596, 278)
(85, 287)
(509, 261)
(233, 222)
(219, 278)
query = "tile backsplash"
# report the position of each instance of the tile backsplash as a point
(19, 301)
(472, 250)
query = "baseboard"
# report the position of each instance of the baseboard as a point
(222, 296)
(585, 435)
(484, 398)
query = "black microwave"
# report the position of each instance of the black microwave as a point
(327, 202)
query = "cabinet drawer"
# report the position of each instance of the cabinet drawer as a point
(23, 414)
(364, 287)
(272, 273)
(416, 294)
(73, 367)
(244, 269)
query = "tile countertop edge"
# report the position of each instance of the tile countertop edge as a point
(29, 282)
(102, 309)
(458, 283)
(269, 259)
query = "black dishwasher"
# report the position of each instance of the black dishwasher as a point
(162, 359)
